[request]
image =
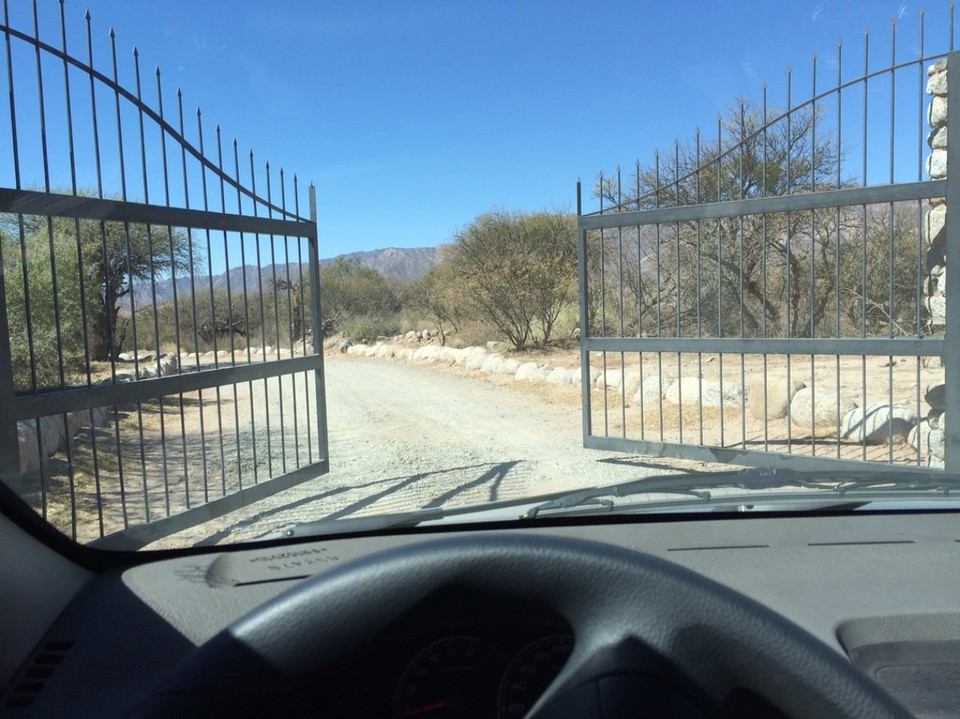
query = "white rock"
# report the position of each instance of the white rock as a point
(528, 372)
(29, 447)
(51, 434)
(938, 138)
(169, 364)
(475, 357)
(820, 407)
(651, 390)
(706, 393)
(934, 223)
(492, 364)
(452, 355)
(771, 399)
(917, 437)
(878, 423)
(937, 112)
(936, 81)
(935, 444)
(510, 366)
(428, 353)
(560, 376)
(937, 164)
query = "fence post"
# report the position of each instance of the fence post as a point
(9, 442)
(951, 330)
(317, 334)
(584, 320)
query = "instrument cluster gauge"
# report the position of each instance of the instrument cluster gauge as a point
(457, 676)
(530, 673)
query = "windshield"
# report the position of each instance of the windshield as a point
(410, 310)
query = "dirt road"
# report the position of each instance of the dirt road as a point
(404, 437)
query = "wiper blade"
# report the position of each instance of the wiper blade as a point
(698, 486)
(370, 523)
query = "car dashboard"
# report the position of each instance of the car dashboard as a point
(881, 590)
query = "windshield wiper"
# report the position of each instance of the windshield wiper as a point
(369, 523)
(838, 483)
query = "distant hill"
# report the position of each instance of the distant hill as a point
(403, 263)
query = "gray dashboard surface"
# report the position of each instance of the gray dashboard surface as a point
(851, 581)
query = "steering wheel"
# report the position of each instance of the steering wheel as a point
(638, 622)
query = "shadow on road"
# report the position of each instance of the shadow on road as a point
(491, 474)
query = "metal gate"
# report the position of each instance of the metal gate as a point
(773, 291)
(164, 363)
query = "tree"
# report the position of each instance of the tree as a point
(46, 326)
(113, 257)
(772, 274)
(358, 299)
(440, 295)
(519, 271)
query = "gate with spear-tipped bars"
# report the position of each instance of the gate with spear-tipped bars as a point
(164, 364)
(774, 291)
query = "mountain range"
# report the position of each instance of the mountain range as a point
(405, 263)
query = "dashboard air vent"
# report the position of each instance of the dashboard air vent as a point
(27, 685)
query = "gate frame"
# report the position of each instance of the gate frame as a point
(280, 223)
(946, 347)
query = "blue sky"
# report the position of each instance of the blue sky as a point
(414, 117)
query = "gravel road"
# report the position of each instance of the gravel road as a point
(404, 437)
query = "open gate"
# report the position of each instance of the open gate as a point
(164, 363)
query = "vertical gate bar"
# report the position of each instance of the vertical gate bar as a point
(276, 322)
(790, 316)
(290, 324)
(742, 195)
(14, 144)
(80, 273)
(133, 314)
(679, 331)
(322, 436)
(719, 266)
(316, 331)
(951, 340)
(864, 228)
(921, 71)
(206, 207)
(640, 258)
(620, 311)
(837, 219)
(188, 236)
(45, 156)
(153, 277)
(263, 328)
(226, 260)
(9, 433)
(603, 312)
(890, 242)
(585, 406)
(246, 322)
(193, 309)
(813, 236)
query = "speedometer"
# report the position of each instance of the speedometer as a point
(531, 672)
(455, 676)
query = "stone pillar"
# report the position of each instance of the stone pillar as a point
(931, 441)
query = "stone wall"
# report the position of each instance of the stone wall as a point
(929, 434)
